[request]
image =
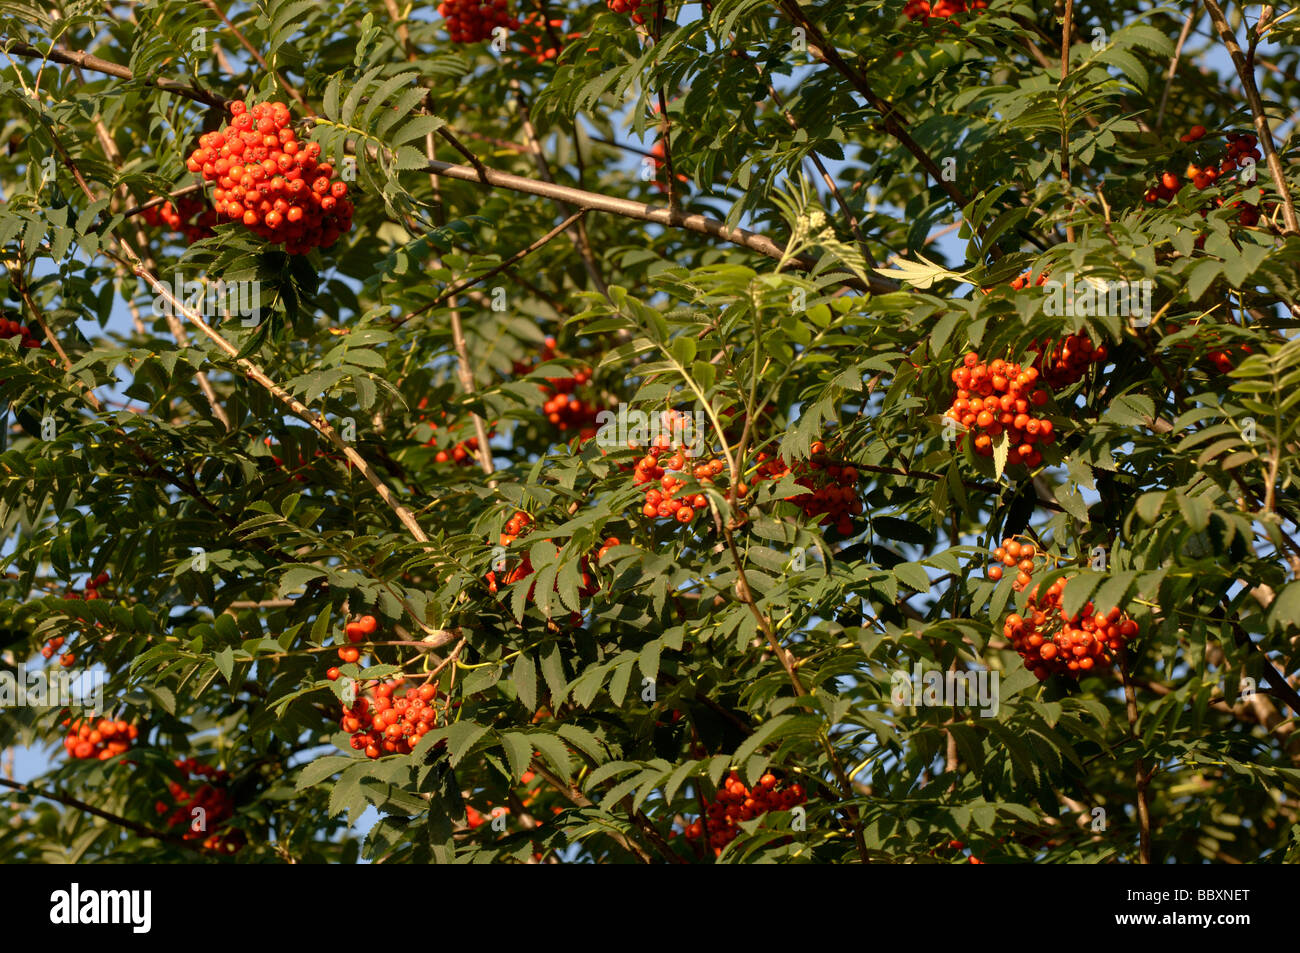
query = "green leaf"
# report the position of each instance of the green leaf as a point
(317, 771)
(760, 737)
(224, 659)
(553, 671)
(913, 575)
(555, 752)
(618, 684)
(1001, 451)
(524, 679)
(1114, 591)
(580, 737)
(1285, 611)
(297, 577)
(1195, 510)
(461, 737)
(519, 752)
(649, 659)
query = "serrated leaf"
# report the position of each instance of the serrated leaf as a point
(461, 737)
(555, 752)
(519, 752)
(317, 771)
(580, 737)
(618, 684)
(1001, 450)
(524, 679)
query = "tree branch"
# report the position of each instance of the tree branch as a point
(1263, 133)
(135, 828)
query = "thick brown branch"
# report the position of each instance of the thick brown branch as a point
(628, 208)
(76, 58)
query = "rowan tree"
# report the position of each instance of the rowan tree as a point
(574, 430)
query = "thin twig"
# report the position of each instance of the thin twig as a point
(825, 51)
(1142, 777)
(514, 259)
(174, 325)
(1067, 24)
(257, 55)
(1173, 68)
(577, 234)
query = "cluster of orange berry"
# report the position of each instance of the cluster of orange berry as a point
(1022, 281)
(302, 462)
(1050, 642)
(627, 6)
(736, 802)
(563, 408)
(566, 410)
(211, 798)
(609, 543)
(517, 526)
(923, 10)
(832, 489)
(98, 740)
(68, 659)
(662, 502)
(464, 452)
(1241, 151)
(472, 21)
(540, 37)
(270, 182)
(999, 397)
(1064, 362)
(15, 329)
(356, 633)
(1225, 360)
(192, 216)
(391, 724)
